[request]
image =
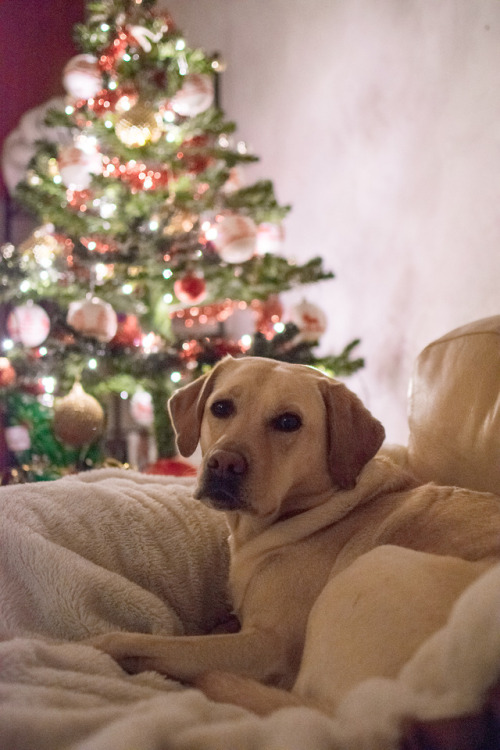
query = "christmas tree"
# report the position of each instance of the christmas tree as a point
(152, 260)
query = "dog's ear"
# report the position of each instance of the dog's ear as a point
(354, 435)
(186, 408)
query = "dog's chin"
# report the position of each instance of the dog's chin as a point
(220, 497)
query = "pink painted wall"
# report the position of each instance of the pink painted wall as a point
(35, 43)
(379, 120)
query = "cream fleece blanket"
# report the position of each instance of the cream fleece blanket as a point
(113, 549)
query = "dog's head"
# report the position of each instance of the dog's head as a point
(273, 436)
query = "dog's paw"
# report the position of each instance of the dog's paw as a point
(116, 644)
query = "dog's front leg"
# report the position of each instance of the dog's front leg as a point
(254, 653)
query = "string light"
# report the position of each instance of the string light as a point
(175, 377)
(92, 364)
(49, 384)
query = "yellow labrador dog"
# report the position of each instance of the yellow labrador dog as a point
(336, 553)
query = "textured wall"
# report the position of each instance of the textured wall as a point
(379, 120)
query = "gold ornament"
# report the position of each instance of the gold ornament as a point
(42, 246)
(78, 418)
(139, 126)
(181, 222)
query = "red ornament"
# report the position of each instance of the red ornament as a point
(193, 156)
(7, 373)
(128, 333)
(190, 289)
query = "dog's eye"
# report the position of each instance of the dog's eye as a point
(287, 422)
(222, 409)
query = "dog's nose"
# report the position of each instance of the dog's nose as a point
(225, 464)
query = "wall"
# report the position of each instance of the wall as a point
(379, 120)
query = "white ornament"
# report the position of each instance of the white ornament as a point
(17, 438)
(270, 238)
(236, 238)
(28, 324)
(234, 182)
(19, 146)
(195, 96)
(310, 320)
(82, 77)
(141, 408)
(77, 165)
(93, 317)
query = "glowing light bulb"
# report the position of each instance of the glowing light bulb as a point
(175, 377)
(246, 341)
(127, 289)
(279, 327)
(167, 273)
(180, 45)
(92, 364)
(49, 384)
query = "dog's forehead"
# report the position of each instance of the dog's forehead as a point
(257, 376)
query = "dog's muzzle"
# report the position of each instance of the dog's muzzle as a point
(222, 480)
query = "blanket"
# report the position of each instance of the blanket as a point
(112, 549)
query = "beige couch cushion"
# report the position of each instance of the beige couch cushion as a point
(454, 408)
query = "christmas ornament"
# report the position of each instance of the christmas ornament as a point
(172, 467)
(195, 96)
(192, 154)
(190, 289)
(17, 438)
(93, 317)
(78, 418)
(234, 182)
(42, 246)
(28, 324)
(181, 222)
(139, 126)
(236, 238)
(82, 77)
(310, 320)
(7, 373)
(77, 165)
(141, 408)
(128, 332)
(270, 238)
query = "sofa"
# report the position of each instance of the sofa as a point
(114, 549)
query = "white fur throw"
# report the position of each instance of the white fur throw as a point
(117, 550)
